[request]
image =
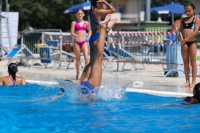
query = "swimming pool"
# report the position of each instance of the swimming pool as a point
(34, 109)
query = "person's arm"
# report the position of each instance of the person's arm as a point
(89, 30)
(191, 36)
(110, 9)
(72, 29)
(1, 81)
(175, 26)
(181, 37)
(181, 29)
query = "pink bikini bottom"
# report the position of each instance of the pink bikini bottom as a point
(80, 43)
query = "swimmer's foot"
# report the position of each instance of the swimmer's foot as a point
(106, 20)
(111, 23)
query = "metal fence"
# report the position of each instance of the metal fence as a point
(46, 45)
(31, 38)
(145, 45)
(133, 45)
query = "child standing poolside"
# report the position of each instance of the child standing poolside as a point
(189, 30)
(78, 31)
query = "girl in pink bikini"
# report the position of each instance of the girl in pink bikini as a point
(78, 31)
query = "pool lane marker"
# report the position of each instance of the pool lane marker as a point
(145, 91)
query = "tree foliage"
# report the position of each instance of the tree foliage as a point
(49, 13)
(43, 13)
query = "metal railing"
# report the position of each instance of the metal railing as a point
(146, 45)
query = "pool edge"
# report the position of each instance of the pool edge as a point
(144, 91)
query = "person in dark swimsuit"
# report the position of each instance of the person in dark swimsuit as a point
(196, 95)
(12, 79)
(99, 9)
(189, 30)
(190, 25)
(78, 31)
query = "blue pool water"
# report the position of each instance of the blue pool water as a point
(35, 108)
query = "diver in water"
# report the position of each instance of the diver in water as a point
(196, 95)
(12, 78)
(93, 77)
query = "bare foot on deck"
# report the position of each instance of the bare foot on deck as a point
(192, 86)
(187, 84)
(186, 89)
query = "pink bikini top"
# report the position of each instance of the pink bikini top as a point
(78, 27)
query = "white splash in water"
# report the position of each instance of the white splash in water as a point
(111, 91)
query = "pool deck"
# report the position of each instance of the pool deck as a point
(149, 80)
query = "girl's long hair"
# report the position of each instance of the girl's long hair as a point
(93, 4)
(12, 70)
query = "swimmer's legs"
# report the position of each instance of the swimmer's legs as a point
(96, 69)
(87, 71)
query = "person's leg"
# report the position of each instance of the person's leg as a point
(96, 68)
(93, 42)
(192, 55)
(86, 71)
(85, 53)
(185, 56)
(77, 52)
